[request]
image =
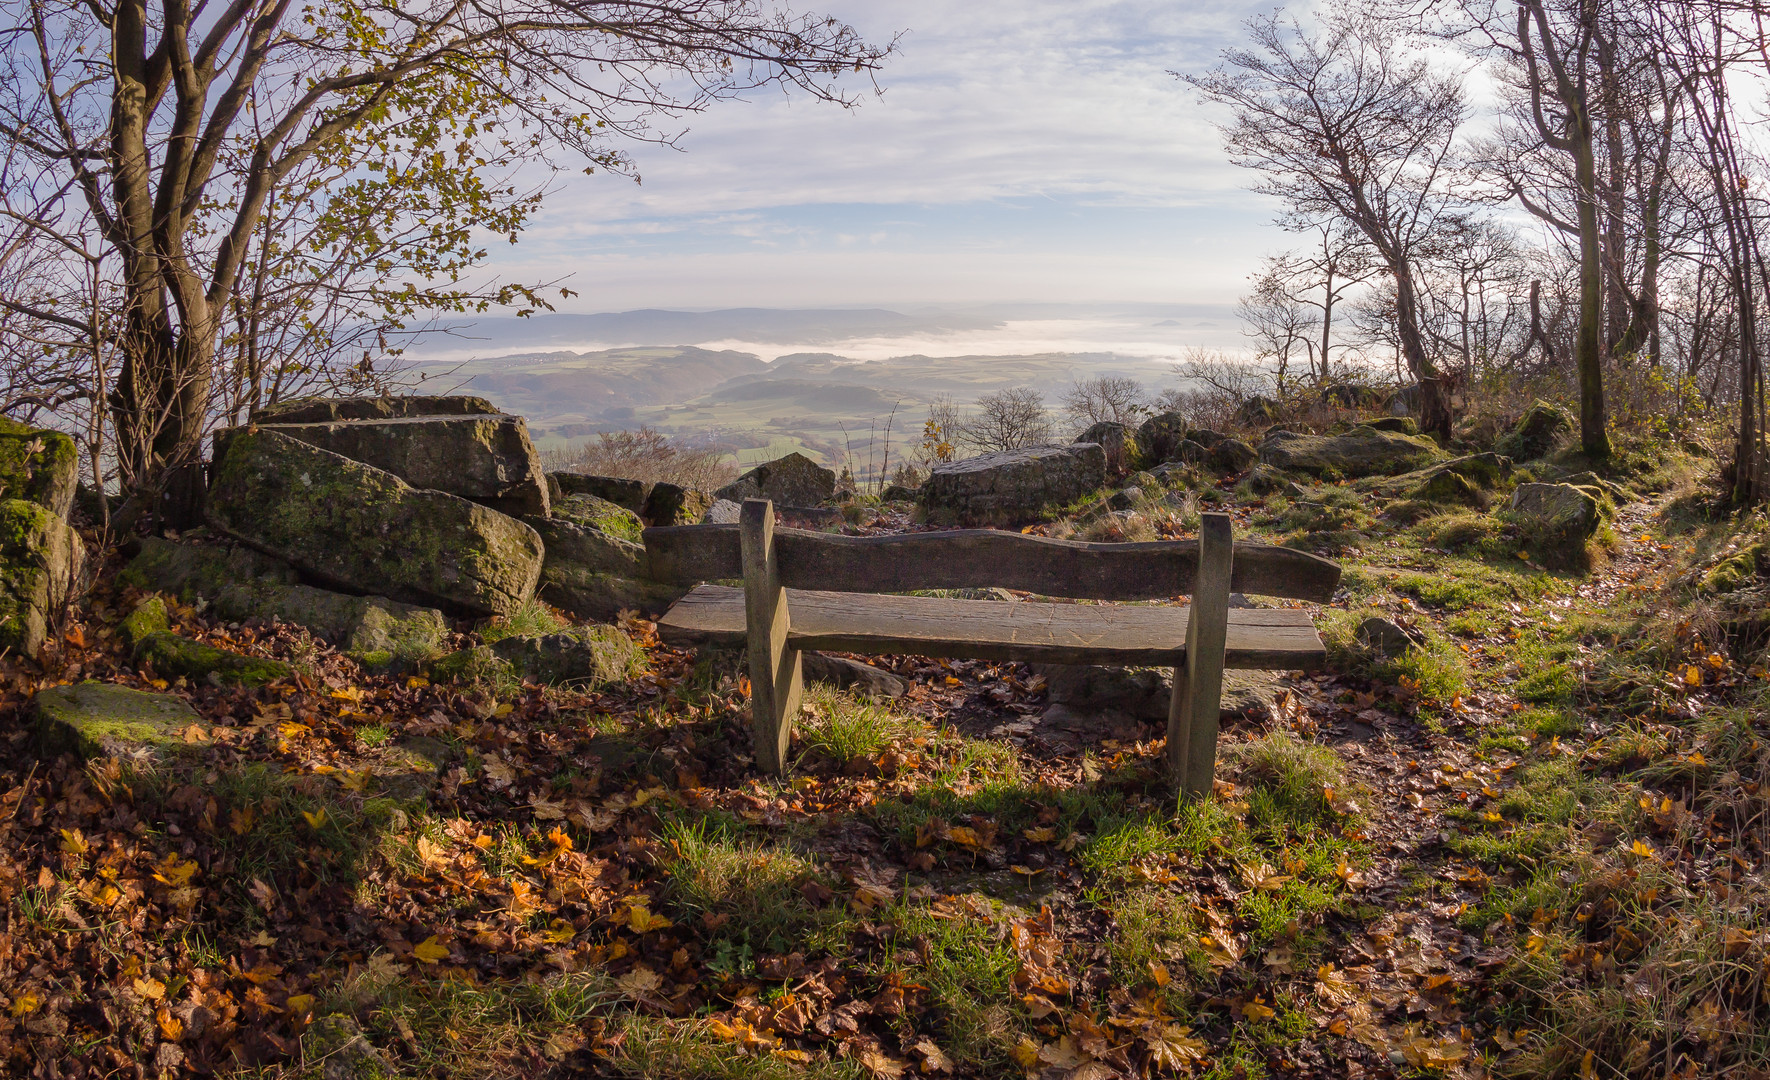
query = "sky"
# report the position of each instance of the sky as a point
(1019, 151)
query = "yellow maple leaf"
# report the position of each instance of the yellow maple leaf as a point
(559, 932)
(352, 694)
(300, 1004)
(26, 1002)
(1172, 1046)
(1042, 835)
(171, 871)
(150, 988)
(356, 781)
(73, 841)
(315, 818)
(430, 951)
(416, 682)
(1693, 676)
(1641, 848)
(641, 920)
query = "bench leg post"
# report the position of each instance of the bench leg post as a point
(1198, 685)
(775, 678)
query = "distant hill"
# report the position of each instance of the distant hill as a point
(657, 327)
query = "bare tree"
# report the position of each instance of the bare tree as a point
(171, 146)
(1342, 123)
(1272, 317)
(1090, 401)
(1008, 419)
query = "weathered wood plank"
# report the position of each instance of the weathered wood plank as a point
(775, 671)
(1198, 684)
(963, 558)
(1260, 638)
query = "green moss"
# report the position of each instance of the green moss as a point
(94, 719)
(1737, 570)
(40, 562)
(38, 466)
(597, 513)
(148, 618)
(172, 656)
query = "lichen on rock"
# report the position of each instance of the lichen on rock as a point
(94, 719)
(41, 562)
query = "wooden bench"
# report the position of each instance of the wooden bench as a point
(807, 590)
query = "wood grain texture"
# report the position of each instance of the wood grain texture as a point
(1198, 683)
(1261, 638)
(964, 558)
(776, 674)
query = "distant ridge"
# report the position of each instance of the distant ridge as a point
(656, 326)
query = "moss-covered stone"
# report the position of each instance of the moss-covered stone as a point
(593, 655)
(1737, 570)
(619, 490)
(1159, 438)
(149, 617)
(172, 656)
(1119, 442)
(1399, 425)
(476, 665)
(488, 459)
(38, 466)
(794, 480)
(94, 719)
(366, 530)
(41, 561)
(1538, 431)
(1363, 451)
(1445, 486)
(1557, 511)
(601, 514)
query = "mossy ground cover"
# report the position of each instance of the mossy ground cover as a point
(1468, 860)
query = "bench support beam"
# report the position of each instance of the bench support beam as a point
(1198, 685)
(776, 681)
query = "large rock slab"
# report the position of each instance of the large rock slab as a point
(1012, 485)
(94, 719)
(365, 530)
(599, 596)
(38, 466)
(593, 655)
(239, 583)
(174, 656)
(41, 562)
(488, 459)
(317, 410)
(1363, 451)
(794, 480)
(1559, 508)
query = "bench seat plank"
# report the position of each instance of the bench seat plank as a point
(1262, 638)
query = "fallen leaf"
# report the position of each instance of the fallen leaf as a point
(430, 951)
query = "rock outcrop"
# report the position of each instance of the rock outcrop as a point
(1159, 438)
(794, 480)
(595, 513)
(38, 466)
(41, 561)
(1363, 451)
(486, 458)
(365, 530)
(1012, 485)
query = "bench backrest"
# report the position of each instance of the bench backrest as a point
(967, 558)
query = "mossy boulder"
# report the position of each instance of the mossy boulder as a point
(94, 719)
(673, 504)
(572, 546)
(476, 665)
(602, 515)
(1232, 455)
(593, 655)
(1363, 451)
(239, 583)
(173, 656)
(616, 489)
(149, 618)
(321, 410)
(1012, 486)
(41, 561)
(1557, 510)
(1265, 480)
(38, 466)
(1542, 427)
(794, 480)
(1445, 486)
(365, 530)
(1738, 570)
(488, 459)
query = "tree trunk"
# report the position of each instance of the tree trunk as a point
(1588, 343)
(1434, 402)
